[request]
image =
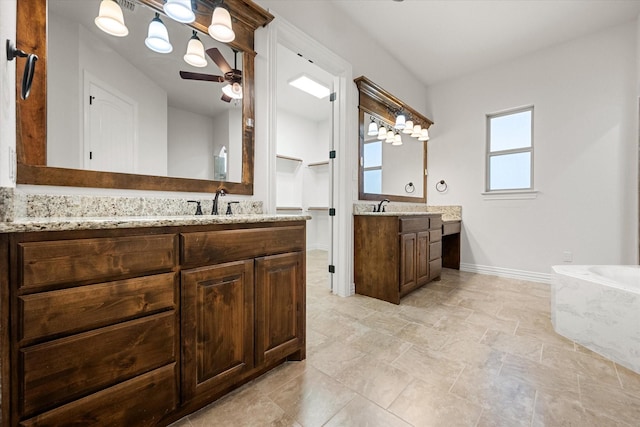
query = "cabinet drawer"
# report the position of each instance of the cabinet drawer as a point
(81, 308)
(450, 228)
(63, 370)
(81, 260)
(435, 250)
(141, 401)
(436, 222)
(435, 235)
(408, 225)
(213, 247)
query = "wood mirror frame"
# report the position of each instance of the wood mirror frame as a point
(31, 115)
(382, 105)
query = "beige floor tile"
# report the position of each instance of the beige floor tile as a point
(376, 380)
(427, 316)
(279, 376)
(430, 367)
(422, 404)
(524, 346)
(488, 419)
(384, 322)
(629, 379)
(460, 329)
(312, 398)
(490, 321)
(423, 336)
(594, 368)
(333, 357)
(380, 345)
(361, 412)
(554, 410)
(473, 354)
(502, 396)
(612, 402)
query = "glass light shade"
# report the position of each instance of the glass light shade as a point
(424, 135)
(400, 121)
(417, 130)
(179, 10)
(397, 139)
(220, 28)
(195, 53)
(157, 37)
(373, 129)
(382, 133)
(408, 127)
(233, 91)
(390, 137)
(110, 19)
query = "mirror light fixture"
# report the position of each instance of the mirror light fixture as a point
(110, 19)
(312, 87)
(179, 10)
(233, 91)
(157, 37)
(195, 52)
(390, 137)
(424, 135)
(397, 139)
(400, 121)
(408, 128)
(220, 28)
(417, 130)
(382, 132)
(373, 128)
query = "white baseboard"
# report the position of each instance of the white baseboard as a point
(511, 273)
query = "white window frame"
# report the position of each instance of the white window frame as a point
(505, 192)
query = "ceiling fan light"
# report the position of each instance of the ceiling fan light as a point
(397, 139)
(158, 37)
(417, 130)
(408, 127)
(179, 10)
(373, 129)
(390, 137)
(220, 28)
(195, 52)
(382, 133)
(424, 135)
(400, 121)
(233, 91)
(110, 19)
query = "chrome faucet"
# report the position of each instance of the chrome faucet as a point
(380, 207)
(214, 209)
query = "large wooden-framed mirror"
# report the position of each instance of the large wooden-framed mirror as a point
(388, 171)
(36, 167)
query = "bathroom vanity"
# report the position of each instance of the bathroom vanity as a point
(140, 322)
(396, 253)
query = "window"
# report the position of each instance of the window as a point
(510, 150)
(372, 167)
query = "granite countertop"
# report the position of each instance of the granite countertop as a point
(444, 218)
(95, 223)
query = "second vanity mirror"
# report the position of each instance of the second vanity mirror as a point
(172, 132)
(391, 168)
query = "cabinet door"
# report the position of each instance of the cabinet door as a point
(280, 304)
(217, 325)
(408, 255)
(423, 258)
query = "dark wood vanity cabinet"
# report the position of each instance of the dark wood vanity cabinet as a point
(396, 254)
(143, 326)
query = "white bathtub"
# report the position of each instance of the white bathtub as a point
(599, 307)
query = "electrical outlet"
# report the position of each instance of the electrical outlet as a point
(567, 256)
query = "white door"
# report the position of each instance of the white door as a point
(110, 134)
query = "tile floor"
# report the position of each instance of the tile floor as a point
(469, 350)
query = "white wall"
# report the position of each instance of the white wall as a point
(7, 97)
(585, 159)
(190, 144)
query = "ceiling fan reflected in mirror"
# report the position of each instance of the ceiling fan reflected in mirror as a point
(233, 76)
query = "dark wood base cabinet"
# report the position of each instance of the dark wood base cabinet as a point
(139, 327)
(395, 255)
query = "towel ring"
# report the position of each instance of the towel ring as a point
(441, 186)
(409, 188)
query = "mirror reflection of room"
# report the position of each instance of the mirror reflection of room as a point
(127, 108)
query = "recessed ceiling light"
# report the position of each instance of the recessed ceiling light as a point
(312, 87)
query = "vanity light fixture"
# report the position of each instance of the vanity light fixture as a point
(400, 121)
(220, 28)
(424, 135)
(397, 139)
(312, 87)
(417, 130)
(382, 132)
(373, 128)
(157, 37)
(408, 128)
(110, 19)
(233, 91)
(179, 10)
(195, 52)
(390, 137)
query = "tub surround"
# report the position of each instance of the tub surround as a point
(592, 308)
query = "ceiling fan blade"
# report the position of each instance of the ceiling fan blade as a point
(217, 57)
(225, 98)
(199, 76)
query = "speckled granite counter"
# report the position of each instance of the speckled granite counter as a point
(449, 213)
(96, 223)
(448, 219)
